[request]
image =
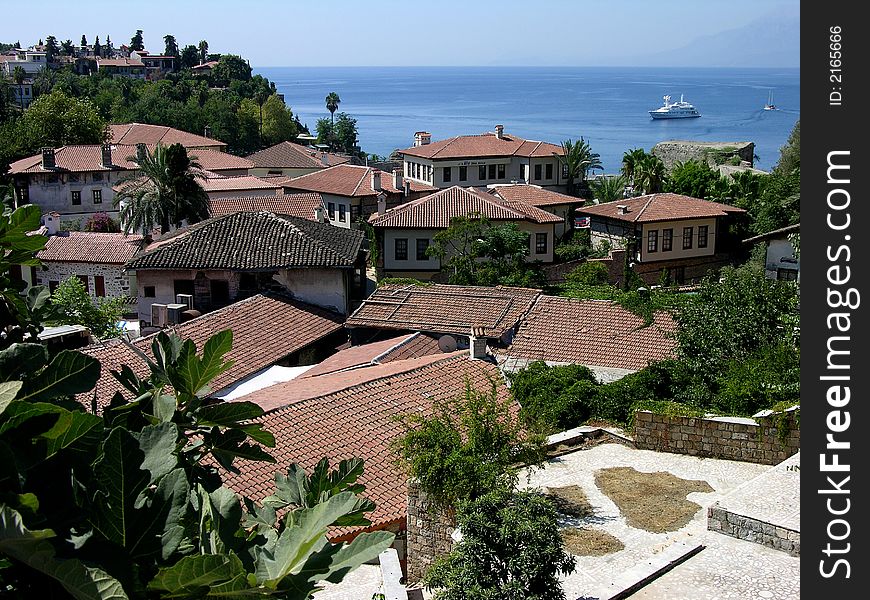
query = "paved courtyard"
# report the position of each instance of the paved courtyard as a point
(725, 568)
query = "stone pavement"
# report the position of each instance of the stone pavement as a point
(740, 568)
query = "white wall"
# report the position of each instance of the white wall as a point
(338, 201)
(412, 264)
(780, 255)
(321, 287)
(53, 192)
(532, 229)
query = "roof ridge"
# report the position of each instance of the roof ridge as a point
(645, 206)
(359, 183)
(405, 340)
(444, 147)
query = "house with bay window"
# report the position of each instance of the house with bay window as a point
(481, 160)
(405, 232)
(670, 236)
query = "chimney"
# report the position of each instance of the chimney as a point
(422, 138)
(319, 213)
(141, 151)
(407, 188)
(376, 180)
(324, 159)
(397, 179)
(477, 343)
(499, 131)
(621, 209)
(106, 155)
(48, 158)
(382, 204)
(52, 223)
(207, 131)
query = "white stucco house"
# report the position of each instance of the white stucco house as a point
(405, 232)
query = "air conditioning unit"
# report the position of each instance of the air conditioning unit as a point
(186, 299)
(159, 315)
(173, 313)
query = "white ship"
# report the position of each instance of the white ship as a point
(770, 105)
(674, 110)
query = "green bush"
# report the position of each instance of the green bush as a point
(554, 398)
(589, 273)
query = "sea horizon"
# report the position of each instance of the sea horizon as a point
(607, 106)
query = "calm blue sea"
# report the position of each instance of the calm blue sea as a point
(607, 106)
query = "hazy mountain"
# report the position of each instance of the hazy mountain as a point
(770, 41)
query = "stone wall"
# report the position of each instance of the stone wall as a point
(117, 283)
(713, 153)
(729, 438)
(429, 533)
(753, 530)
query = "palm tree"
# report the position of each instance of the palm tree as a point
(577, 159)
(608, 189)
(166, 193)
(332, 102)
(630, 160)
(649, 174)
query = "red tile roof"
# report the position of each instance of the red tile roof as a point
(266, 328)
(660, 207)
(86, 247)
(435, 210)
(213, 182)
(592, 332)
(119, 62)
(483, 145)
(359, 421)
(296, 205)
(287, 155)
(533, 195)
(452, 309)
(401, 347)
(349, 180)
(89, 158)
(141, 133)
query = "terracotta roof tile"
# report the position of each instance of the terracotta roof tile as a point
(213, 182)
(287, 155)
(401, 347)
(436, 210)
(592, 332)
(660, 207)
(86, 247)
(215, 160)
(296, 205)
(141, 133)
(483, 145)
(359, 421)
(119, 62)
(251, 241)
(452, 309)
(349, 180)
(287, 324)
(532, 195)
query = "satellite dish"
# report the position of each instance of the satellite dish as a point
(447, 343)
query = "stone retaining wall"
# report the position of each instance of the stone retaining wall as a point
(750, 440)
(429, 533)
(753, 530)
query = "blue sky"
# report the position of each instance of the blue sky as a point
(413, 33)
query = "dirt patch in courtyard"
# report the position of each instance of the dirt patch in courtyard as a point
(589, 542)
(571, 501)
(655, 502)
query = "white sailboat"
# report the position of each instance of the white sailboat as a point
(770, 105)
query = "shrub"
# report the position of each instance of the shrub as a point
(589, 273)
(554, 398)
(101, 223)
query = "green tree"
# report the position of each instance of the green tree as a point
(51, 49)
(67, 48)
(278, 123)
(554, 398)
(130, 503)
(332, 102)
(734, 316)
(631, 159)
(346, 134)
(609, 189)
(469, 445)
(325, 132)
(73, 305)
(230, 68)
(98, 49)
(167, 192)
(577, 159)
(511, 549)
(203, 51)
(84, 41)
(649, 174)
(170, 46)
(59, 120)
(790, 154)
(136, 42)
(189, 56)
(696, 179)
